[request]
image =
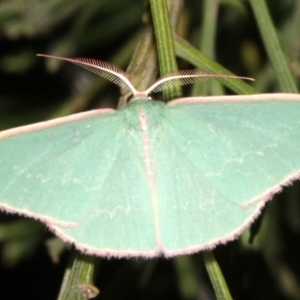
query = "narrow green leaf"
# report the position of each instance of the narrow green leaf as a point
(192, 55)
(209, 26)
(273, 47)
(207, 46)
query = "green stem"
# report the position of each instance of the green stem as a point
(165, 43)
(142, 64)
(216, 276)
(78, 279)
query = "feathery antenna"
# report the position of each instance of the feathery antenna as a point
(101, 68)
(185, 77)
(121, 78)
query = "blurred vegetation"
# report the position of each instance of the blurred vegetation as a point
(233, 34)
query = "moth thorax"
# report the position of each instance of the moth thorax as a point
(143, 120)
(144, 115)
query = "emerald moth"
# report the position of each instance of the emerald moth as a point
(152, 178)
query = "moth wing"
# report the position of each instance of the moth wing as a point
(222, 161)
(80, 176)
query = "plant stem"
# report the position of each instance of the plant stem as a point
(216, 276)
(165, 43)
(78, 279)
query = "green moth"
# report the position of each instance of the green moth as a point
(152, 178)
